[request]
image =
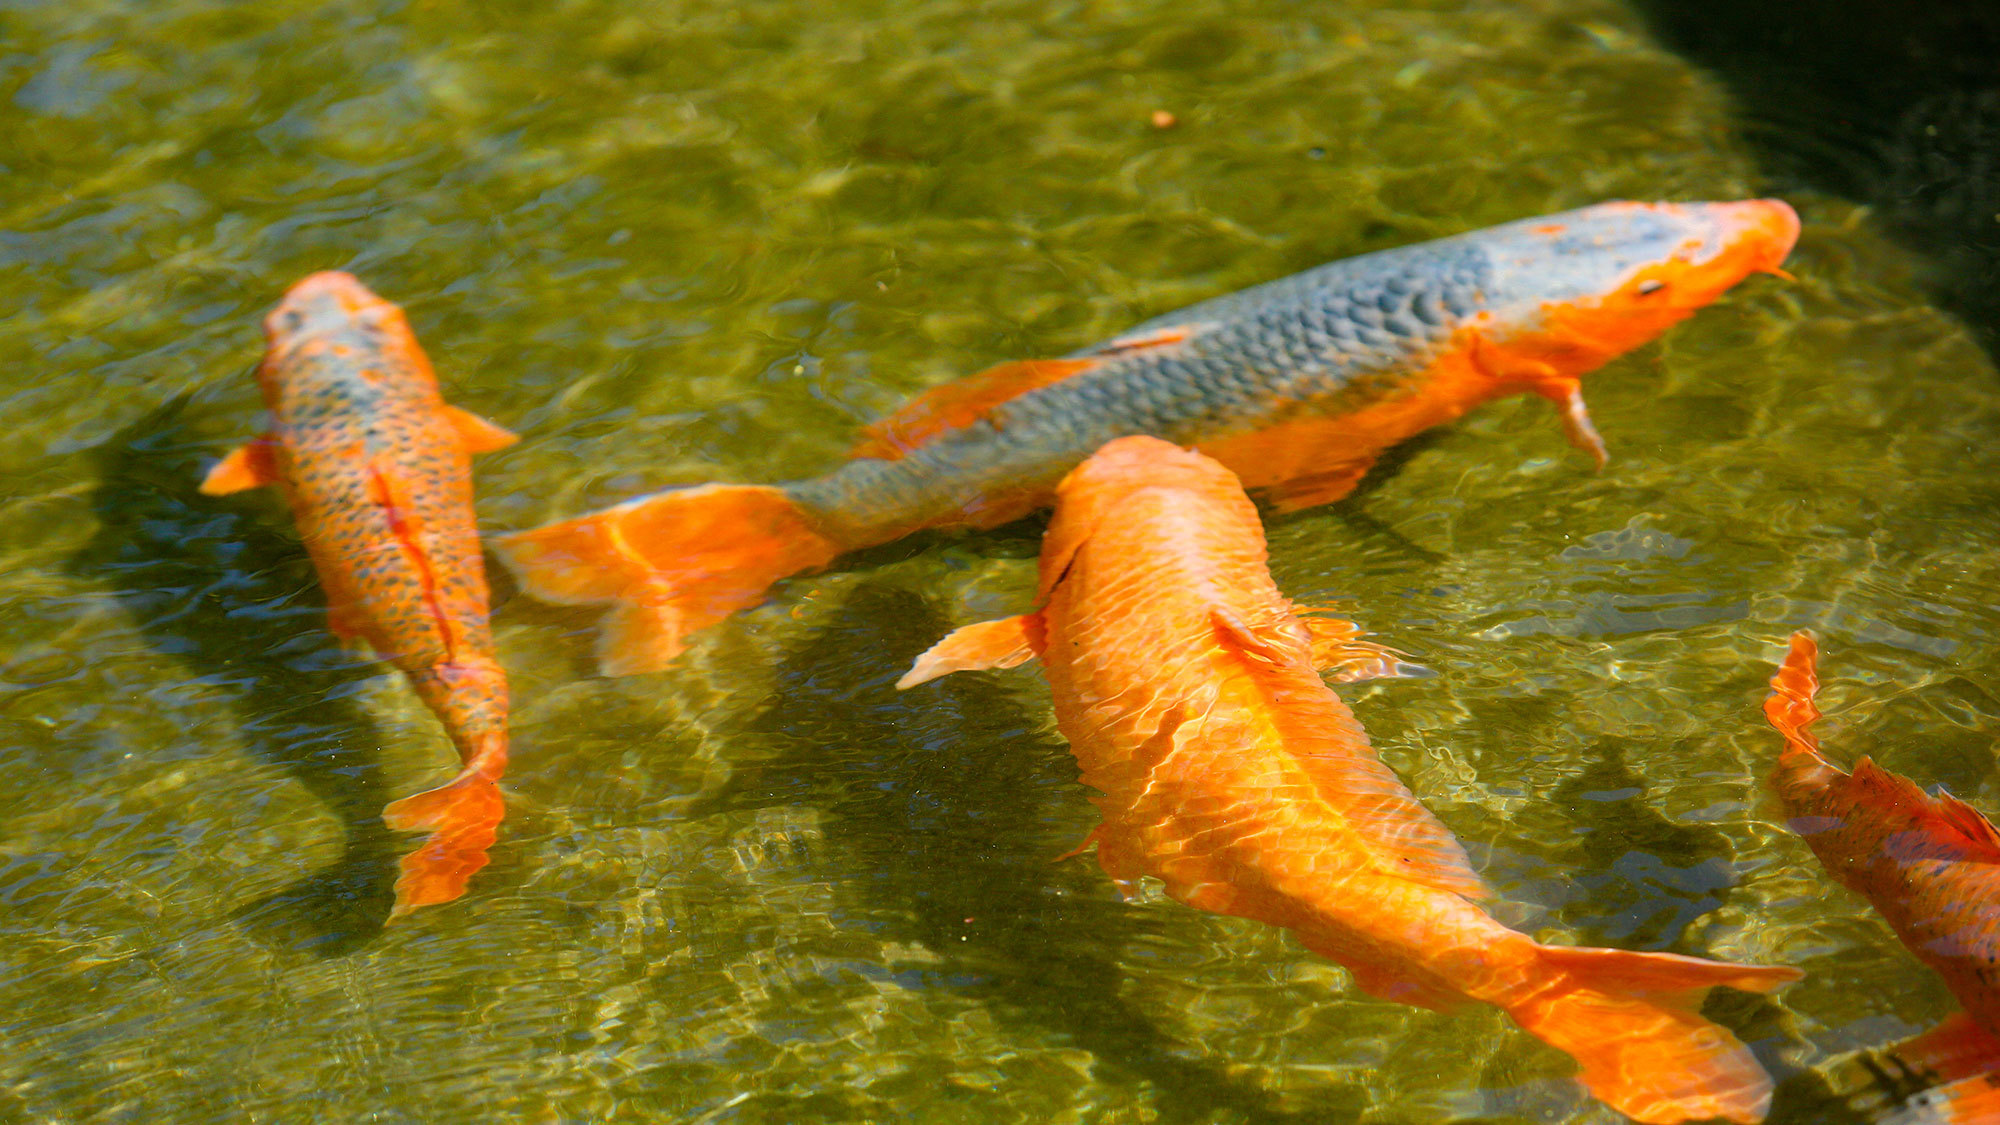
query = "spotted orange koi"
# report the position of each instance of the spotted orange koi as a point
(377, 469)
(1929, 865)
(1296, 385)
(1227, 769)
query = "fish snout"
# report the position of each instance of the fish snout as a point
(1763, 230)
(321, 303)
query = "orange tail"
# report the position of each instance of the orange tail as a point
(670, 563)
(1790, 704)
(461, 817)
(1632, 1021)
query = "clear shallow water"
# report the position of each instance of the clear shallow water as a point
(704, 242)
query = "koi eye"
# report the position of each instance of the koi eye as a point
(1649, 287)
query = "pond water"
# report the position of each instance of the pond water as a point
(692, 241)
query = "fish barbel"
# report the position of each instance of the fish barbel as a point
(1226, 768)
(1297, 385)
(377, 469)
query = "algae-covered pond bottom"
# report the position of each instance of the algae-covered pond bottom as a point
(682, 242)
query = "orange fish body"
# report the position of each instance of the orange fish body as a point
(1295, 385)
(377, 470)
(1227, 769)
(1930, 865)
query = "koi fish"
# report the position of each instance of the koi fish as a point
(1296, 385)
(377, 470)
(1930, 866)
(1226, 768)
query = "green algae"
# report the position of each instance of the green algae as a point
(697, 241)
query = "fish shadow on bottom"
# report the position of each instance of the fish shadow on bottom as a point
(943, 798)
(212, 583)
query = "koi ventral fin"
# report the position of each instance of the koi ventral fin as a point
(1631, 1020)
(251, 465)
(1006, 643)
(477, 434)
(958, 404)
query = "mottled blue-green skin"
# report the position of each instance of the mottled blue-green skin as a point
(1328, 341)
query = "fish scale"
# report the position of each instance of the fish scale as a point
(1297, 385)
(376, 468)
(1224, 767)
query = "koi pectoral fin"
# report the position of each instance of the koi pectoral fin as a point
(251, 465)
(1339, 651)
(1323, 487)
(1005, 643)
(1567, 393)
(476, 434)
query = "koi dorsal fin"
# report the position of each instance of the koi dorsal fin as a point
(960, 403)
(1328, 743)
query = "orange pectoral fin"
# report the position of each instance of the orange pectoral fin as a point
(476, 434)
(960, 403)
(1337, 649)
(250, 465)
(1271, 644)
(1005, 643)
(1318, 488)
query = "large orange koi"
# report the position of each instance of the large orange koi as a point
(1296, 385)
(377, 469)
(1930, 866)
(1227, 769)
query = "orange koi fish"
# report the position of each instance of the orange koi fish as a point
(1296, 385)
(1930, 866)
(1227, 769)
(378, 471)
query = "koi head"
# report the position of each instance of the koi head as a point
(1575, 289)
(332, 315)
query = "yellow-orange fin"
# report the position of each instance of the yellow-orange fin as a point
(1578, 427)
(1006, 643)
(1152, 338)
(1337, 649)
(1323, 487)
(462, 818)
(251, 465)
(477, 434)
(960, 403)
(1631, 1020)
(671, 563)
(1268, 642)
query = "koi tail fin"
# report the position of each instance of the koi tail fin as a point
(1790, 705)
(1632, 1021)
(462, 817)
(669, 564)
